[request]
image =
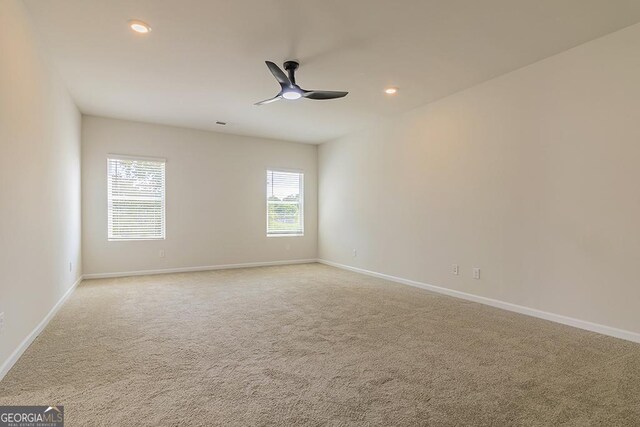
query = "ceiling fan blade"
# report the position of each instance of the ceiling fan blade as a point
(269, 101)
(323, 94)
(280, 76)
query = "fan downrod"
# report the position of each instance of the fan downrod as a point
(291, 67)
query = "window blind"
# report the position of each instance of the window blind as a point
(285, 204)
(136, 198)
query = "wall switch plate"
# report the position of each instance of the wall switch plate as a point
(161, 253)
(70, 267)
(355, 253)
(455, 269)
(476, 273)
(1, 321)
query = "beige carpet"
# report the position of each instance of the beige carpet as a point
(314, 345)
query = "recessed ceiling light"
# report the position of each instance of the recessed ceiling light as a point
(391, 90)
(139, 26)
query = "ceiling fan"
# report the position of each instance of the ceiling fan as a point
(290, 90)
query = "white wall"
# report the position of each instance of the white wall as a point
(39, 182)
(534, 177)
(215, 197)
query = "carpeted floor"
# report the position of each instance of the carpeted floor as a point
(314, 345)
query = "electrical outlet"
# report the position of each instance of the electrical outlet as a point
(1, 321)
(161, 253)
(355, 253)
(287, 247)
(476, 273)
(455, 269)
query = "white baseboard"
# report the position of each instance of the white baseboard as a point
(200, 268)
(558, 318)
(8, 364)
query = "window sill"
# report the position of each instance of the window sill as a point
(137, 240)
(285, 235)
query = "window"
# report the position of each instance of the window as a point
(135, 198)
(285, 204)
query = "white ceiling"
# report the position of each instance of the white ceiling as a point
(204, 59)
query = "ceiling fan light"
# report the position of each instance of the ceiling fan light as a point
(291, 94)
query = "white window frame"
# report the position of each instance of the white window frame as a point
(266, 197)
(164, 197)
